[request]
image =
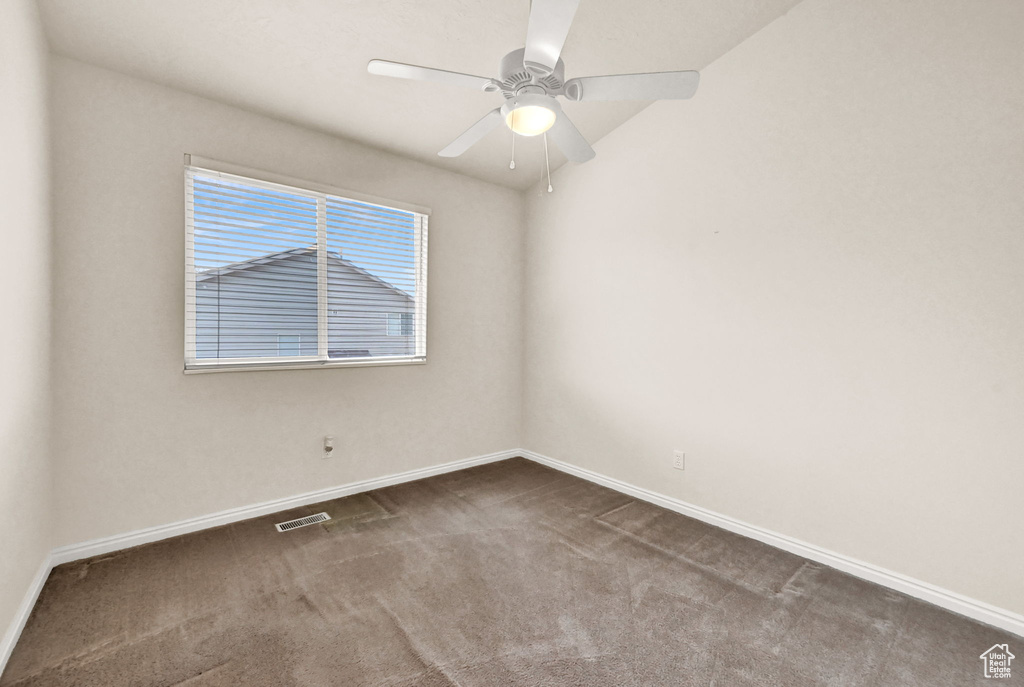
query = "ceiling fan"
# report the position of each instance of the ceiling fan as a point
(533, 76)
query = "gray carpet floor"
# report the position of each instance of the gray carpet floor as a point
(502, 574)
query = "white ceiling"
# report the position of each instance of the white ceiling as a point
(304, 61)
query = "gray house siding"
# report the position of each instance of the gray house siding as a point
(267, 307)
(359, 306)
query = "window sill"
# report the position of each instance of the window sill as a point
(207, 368)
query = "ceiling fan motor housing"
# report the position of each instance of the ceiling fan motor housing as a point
(515, 76)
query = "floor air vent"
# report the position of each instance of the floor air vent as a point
(302, 522)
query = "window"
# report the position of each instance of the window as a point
(281, 273)
(289, 344)
(399, 324)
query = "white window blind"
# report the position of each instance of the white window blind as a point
(278, 275)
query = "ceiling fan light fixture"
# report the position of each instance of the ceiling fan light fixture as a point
(530, 120)
(530, 114)
(533, 76)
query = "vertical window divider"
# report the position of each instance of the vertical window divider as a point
(322, 331)
(420, 243)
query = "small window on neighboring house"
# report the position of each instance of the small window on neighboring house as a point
(287, 273)
(400, 324)
(289, 344)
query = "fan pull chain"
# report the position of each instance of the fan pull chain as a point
(512, 164)
(547, 163)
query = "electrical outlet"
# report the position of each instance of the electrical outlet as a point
(328, 446)
(679, 460)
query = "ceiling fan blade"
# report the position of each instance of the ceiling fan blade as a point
(654, 86)
(473, 134)
(416, 73)
(549, 25)
(569, 140)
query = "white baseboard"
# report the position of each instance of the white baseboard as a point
(972, 608)
(97, 547)
(24, 611)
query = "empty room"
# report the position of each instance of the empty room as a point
(529, 342)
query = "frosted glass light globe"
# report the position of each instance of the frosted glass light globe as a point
(530, 120)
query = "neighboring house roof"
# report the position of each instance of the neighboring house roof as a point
(285, 255)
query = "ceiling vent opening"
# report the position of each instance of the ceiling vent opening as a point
(302, 522)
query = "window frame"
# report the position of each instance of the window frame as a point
(273, 181)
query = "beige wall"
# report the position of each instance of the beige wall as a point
(138, 443)
(25, 488)
(811, 279)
